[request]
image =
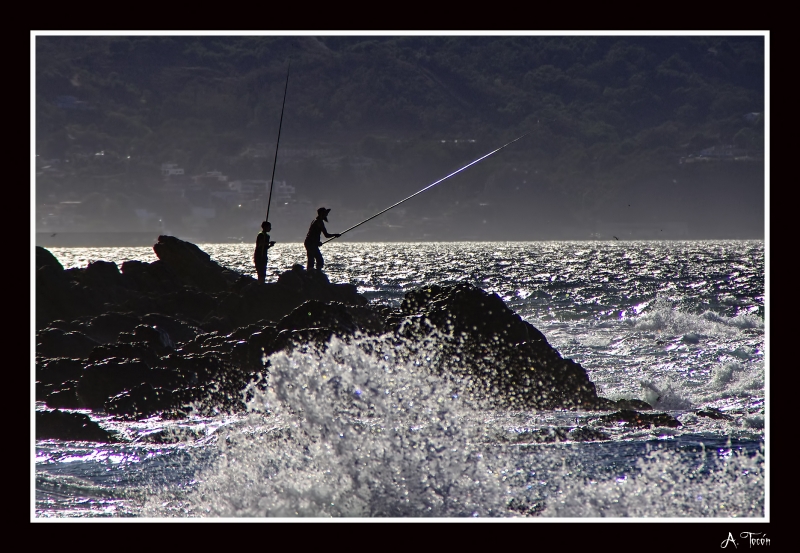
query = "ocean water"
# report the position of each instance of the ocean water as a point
(362, 429)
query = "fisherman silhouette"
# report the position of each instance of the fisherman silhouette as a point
(263, 243)
(313, 239)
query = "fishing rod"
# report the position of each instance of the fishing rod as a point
(280, 124)
(429, 186)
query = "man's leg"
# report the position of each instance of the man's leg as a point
(310, 255)
(320, 261)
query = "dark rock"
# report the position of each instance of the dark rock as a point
(713, 413)
(46, 259)
(548, 435)
(192, 265)
(605, 404)
(368, 321)
(110, 377)
(316, 286)
(145, 400)
(149, 277)
(244, 332)
(58, 370)
(141, 351)
(640, 420)
(106, 327)
(63, 425)
(60, 297)
(178, 330)
(293, 279)
(194, 368)
(513, 363)
(588, 434)
(154, 336)
(53, 342)
(256, 302)
(288, 340)
(261, 345)
(318, 314)
(102, 274)
(64, 397)
(221, 325)
(184, 303)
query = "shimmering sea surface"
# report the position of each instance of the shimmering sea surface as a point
(680, 325)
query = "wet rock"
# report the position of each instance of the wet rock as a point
(58, 370)
(605, 404)
(110, 377)
(221, 325)
(64, 425)
(588, 434)
(54, 342)
(640, 420)
(261, 345)
(155, 337)
(713, 413)
(632, 405)
(187, 302)
(140, 351)
(288, 340)
(547, 435)
(195, 368)
(319, 314)
(145, 400)
(514, 365)
(178, 330)
(60, 297)
(63, 396)
(106, 327)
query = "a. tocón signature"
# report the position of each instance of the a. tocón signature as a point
(753, 538)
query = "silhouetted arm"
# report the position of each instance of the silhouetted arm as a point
(325, 231)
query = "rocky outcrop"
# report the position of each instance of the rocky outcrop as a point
(64, 425)
(634, 419)
(511, 359)
(192, 265)
(184, 283)
(183, 332)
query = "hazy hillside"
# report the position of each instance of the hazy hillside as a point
(370, 120)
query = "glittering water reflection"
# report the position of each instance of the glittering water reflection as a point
(677, 324)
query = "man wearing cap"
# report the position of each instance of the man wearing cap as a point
(263, 243)
(313, 239)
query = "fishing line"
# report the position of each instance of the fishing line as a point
(429, 186)
(280, 124)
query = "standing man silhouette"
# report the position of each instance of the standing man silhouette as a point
(313, 239)
(263, 243)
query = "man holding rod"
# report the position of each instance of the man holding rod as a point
(314, 240)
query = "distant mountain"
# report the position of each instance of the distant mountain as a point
(371, 119)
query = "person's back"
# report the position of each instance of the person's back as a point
(262, 238)
(315, 230)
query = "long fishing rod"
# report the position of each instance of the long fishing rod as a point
(280, 124)
(429, 186)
